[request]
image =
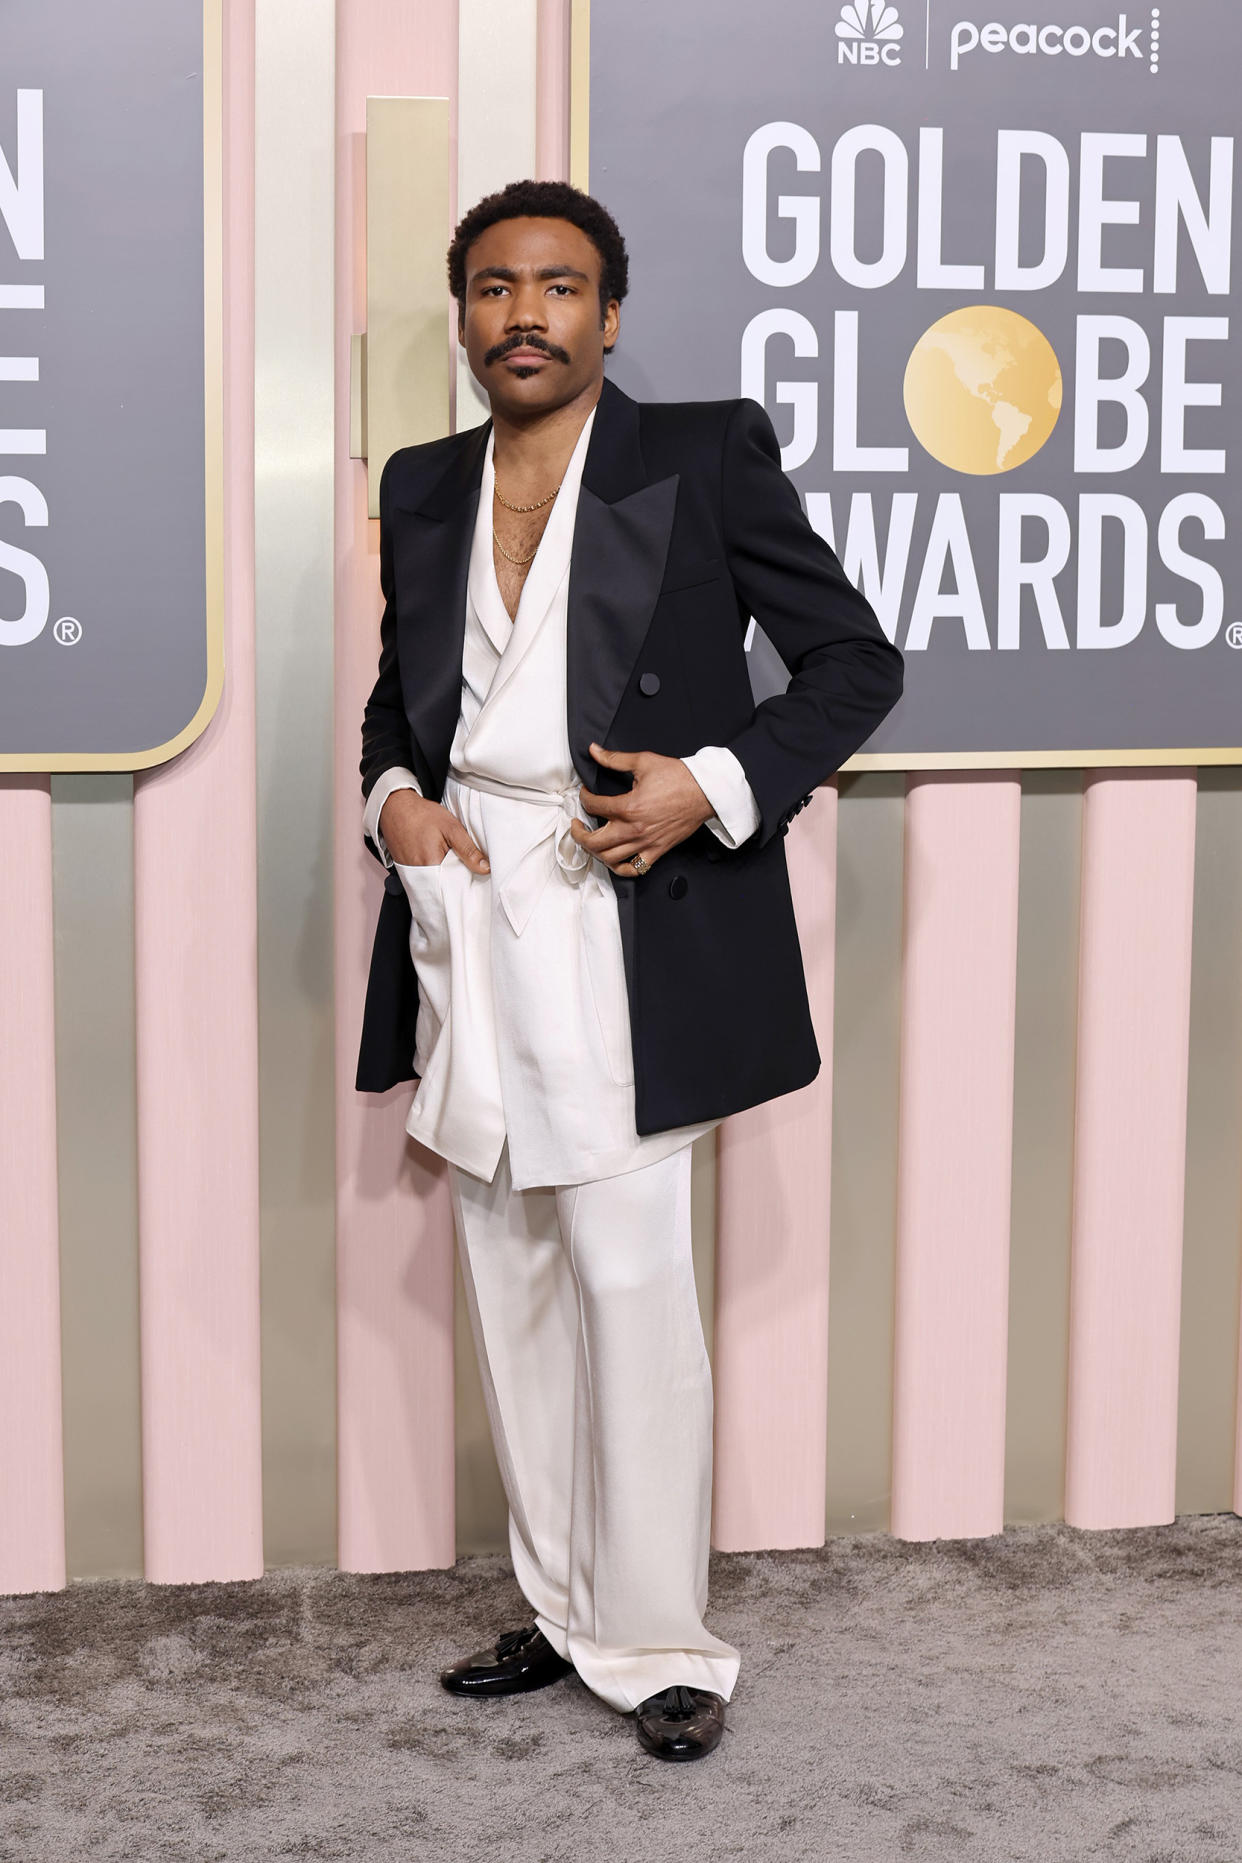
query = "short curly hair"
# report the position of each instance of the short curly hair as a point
(545, 200)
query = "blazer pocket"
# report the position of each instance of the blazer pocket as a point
(689, 575)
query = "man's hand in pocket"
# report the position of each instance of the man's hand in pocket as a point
(419, 833)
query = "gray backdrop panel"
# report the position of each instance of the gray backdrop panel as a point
(674, 98)
(120, 388)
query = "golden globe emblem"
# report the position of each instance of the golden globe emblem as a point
(982, 389)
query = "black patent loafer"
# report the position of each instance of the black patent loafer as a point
(680, 1723)
(518, 1660)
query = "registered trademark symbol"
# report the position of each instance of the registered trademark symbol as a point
(68, 631)
(1233, 634)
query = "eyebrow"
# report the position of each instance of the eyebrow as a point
(507, 274)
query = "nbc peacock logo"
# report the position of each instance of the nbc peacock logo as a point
(869, 32)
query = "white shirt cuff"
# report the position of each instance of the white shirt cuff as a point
(722, 779)
(395, 778)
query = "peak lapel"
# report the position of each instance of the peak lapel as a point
(621, 540)
(431, 544)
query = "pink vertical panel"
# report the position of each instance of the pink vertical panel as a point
(774, 1178)
(955, 1143)
(1130, 1147)
(32, 1496)
(552, 92)
(195, 939)
(395, 1429)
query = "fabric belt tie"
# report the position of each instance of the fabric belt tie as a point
(520, 886)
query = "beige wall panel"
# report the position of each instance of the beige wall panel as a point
(294, 184)
(497, 50)
(1043, 1141)
(407, 165)
(1212, 1242)
(96, 1117)
(866, 1044)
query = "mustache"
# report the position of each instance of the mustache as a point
(516, 341)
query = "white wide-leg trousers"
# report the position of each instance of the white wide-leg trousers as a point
(598, 1389)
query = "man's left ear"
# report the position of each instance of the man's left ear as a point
(610, 324)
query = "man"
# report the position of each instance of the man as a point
(586, 952)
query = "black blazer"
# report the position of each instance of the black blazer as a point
(686, 526)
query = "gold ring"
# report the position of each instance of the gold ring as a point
(639, 864)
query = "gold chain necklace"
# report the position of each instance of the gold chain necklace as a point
(519, 562)
(539, 507)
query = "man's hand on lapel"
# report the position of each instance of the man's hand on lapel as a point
(663, 806)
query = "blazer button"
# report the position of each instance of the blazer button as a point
(649, 684)
(678, 887)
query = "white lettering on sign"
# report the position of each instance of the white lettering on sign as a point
(1013, 146)
(802, 397)
(30, 623)
(1120, 41)
(1101, 212)
(21, 210)
(801, 210)
(21, 193)
(885, 572)
(1077, 188)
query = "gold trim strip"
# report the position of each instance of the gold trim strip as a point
(1035, 759)
(213, 406)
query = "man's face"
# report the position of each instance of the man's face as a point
(531, 323)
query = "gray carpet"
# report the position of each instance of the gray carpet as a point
(1047, 1694)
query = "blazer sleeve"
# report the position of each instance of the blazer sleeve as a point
(386, 741)
(846, 673)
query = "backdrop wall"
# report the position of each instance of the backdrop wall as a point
(1006, 1281)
